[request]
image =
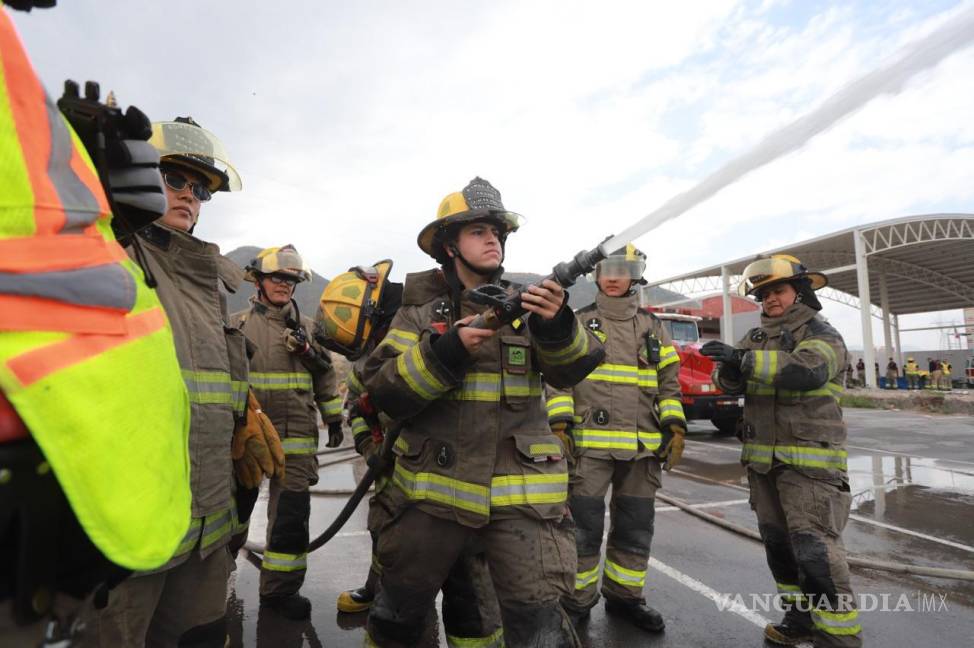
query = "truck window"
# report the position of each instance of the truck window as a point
(682, 332)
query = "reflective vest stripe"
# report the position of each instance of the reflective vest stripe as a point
(34, 365)
(413, 370)
(299, 445)
(587, 578)
(560, 406)
(284, 562)
(494, 640)
(790, 593)
(354, 384)
(575, 349)
(615, 439)
(400, 340)
(837, 623)
(401, 444)
(511, 490)
(765, 366)
(359, 426)
(444, 490)
(216, 527)
(522, 385)
(801, 456)
(331, 408)
(478, 386)
(36, 314)
(667, 356)
(105, 286)
(671, 408)
(52, 253)
(624, 576)
(280, 380)
(822, 348)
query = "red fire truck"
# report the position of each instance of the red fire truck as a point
(701, 398)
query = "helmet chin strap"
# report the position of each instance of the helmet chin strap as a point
(472, 268)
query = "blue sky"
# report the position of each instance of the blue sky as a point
(349, 122)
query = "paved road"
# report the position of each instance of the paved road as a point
(913, 479)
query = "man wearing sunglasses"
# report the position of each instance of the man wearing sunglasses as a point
(184, 601)
(293, 379)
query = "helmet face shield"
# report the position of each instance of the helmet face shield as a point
(617, 267)
(762, 273)
(198, 149)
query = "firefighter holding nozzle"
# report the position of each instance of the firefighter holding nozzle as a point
(789, 370)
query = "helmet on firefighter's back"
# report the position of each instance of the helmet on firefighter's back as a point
(479, 201)
(283, 260)
(777, 268)
(184, 143)
(356, 305)
(626, 263)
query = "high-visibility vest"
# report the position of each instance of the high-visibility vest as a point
(86, 352)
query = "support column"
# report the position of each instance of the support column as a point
(899, 345)
(727, 320)
(865, 304)
(887, 336)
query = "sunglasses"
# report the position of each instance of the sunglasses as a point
(178, 182)
(282, 279)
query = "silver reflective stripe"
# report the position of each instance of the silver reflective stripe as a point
(80, 206)
(560, 406)
(108, 286)
(587, 578)
(299, 445)
(284, 562)
(494, 640)
(624, 576)
(359, 426)
(837, 623)
(444, 490)
(765, 366)
(522, 385)
(279, 380)
(478, 386)
(605, 439)
(216, 527)
(511, 490)
(412, 368)
(209, 387)
(576, 349)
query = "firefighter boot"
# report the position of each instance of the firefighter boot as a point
(356, 600)
(795, 628)
(641, 615)
(292, 606)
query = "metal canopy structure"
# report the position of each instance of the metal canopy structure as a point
(915, 264)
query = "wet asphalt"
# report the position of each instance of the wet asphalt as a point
(912, 479)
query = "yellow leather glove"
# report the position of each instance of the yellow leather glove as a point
(561, 431)
(672, 452)
(256, 448)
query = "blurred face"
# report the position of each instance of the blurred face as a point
(778, 298)
(614, 286)
(480, 245)
(184, 207)
(277, 289)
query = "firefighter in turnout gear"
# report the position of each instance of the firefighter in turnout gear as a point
(795, 449)
(185, 599)
(624, 421)
(293, 379)
(355, 312)
(476, 459)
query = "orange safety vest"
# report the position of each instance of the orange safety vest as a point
(86, 353)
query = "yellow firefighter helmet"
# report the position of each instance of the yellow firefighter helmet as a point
(354, 306)
(478, 201)
(625, 262)
(776, 269)
(283, 260)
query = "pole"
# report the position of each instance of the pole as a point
(884, 304)
(865, 303)
(727, 321)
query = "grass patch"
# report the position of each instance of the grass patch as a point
(853, 400)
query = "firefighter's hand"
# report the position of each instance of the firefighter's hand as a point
(725, 353)
(256, 447)
(296, 341)
(335, 434)
(672, 452)
(472, 338)
(545, 300)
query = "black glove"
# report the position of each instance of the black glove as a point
(335, 434)
(724, 353)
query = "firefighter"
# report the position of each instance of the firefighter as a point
(912, 373)
(623, 421)
(476, 457)
(795, 448)
(293, 379)
(92, 404)
(185, 599)
(892, 371)
(945, 370)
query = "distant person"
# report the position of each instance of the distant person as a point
(794, 449)
(892, 371)
(912, 374)
(861, 372)
(934, 367)
(876, 371)
(850, 377)
(945, 370)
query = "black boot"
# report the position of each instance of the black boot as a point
(787, 633)
(356, 600)
(640, 614)
(293, 606)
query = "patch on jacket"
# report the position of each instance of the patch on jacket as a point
(444, 455)
(601, 417)
(595, 325)
(516, 356)
(758, 335)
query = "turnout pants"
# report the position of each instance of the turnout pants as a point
(157, 609)
(288, 509)
(631, 517)
(529, 562)
(801, 521)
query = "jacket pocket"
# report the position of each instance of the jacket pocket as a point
(519, 383)
(539, 478)
(239, 366)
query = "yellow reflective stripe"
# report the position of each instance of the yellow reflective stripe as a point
(765, 366)
(359, 426)
(802, 456)
(401, 444)
(493, 640)
(284, 562)
(522, 385)
(624, 576)
(299, 445)
(671, 408)
(824, 349)
(209, 387)
(577, 348)
(544, 449)
(667, 356)
(331, 408)
(444, 490)
(239, 395)
(354, 384)
(478, 386)
(190, 538)
(625, 375)
(605, 439)
(560, 406)
(511, 490)
(757, 389)
(650, 439)
(280, 380)
(411, 367)
(216, 527)
(788, 592)
(400, 340)
(587, 578)
(837, 623)
(829, 390)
